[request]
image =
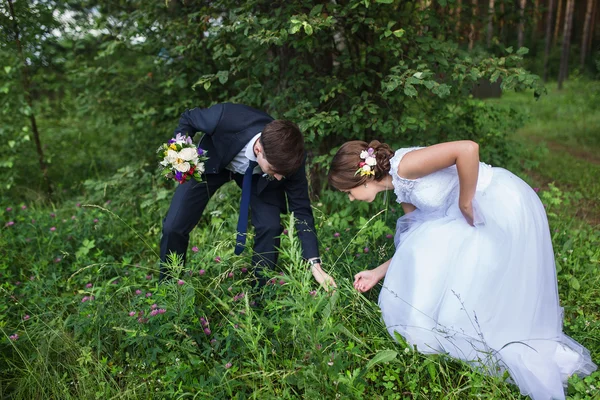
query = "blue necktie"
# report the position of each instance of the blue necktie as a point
(242, 225)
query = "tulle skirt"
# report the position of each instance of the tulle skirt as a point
(486, 294)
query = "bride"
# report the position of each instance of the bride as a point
(473, 274)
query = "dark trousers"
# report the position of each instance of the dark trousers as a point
(188, 204)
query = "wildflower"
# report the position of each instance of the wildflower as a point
(9, 209)
(536, 189)
(162, 310)
(85, 298)
(195, 249)
(14, 337)
(142, 320)
(244, 270)
(17, 283)
(108, 202)
(52, 215)
(89, 285)
(148, 294)
(218, 259)
(26, 317)
(33, 221)
(28, 240)
(78, 204)
(52, 229)
(213, 341)
(153, 306)
(132, 313)
(180, 282)
(73, 217)
(230, 275)
(95, 220)
(153, 313)
(23, 207)
(32, 278)
(228, 365)
(281, 282)
(201, 272)
(366, 250)
(230, 288)
(389, 236)
(9, 223)
(337, 234)
(57, 259)
(207, 331)
(138, 292)
(313, 293)
(285, 231)
(148, 277)
(326, 248)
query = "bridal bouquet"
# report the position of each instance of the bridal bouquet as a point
(181, 160)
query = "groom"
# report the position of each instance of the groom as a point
(266, 158)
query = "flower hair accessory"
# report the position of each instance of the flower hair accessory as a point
(367, 166)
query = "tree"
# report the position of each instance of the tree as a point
(490, 26)
(472, 30)
(558, 21)
(564, 57)
(548, 42)
(26, 22)
(586, 32)
(521, 27)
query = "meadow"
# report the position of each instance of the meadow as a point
(82, 315)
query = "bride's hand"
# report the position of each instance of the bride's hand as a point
(323, 278)
(467, 212)
(365, 280)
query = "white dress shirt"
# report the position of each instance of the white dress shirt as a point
(240, 162)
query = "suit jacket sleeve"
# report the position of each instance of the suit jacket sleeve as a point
(296, 188)
(200, 120)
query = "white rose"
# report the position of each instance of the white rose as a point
(364, 154)
(182, 167)
(188, 154)
(372, 161)
(171, 157)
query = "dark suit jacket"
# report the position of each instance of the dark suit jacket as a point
(227, 128)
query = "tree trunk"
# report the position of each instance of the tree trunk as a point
(502, 32)
(521, 27)
(458, 10)
(535, 19)
(472, 31)
(558, 21)
(29, 99)
(548, 37)
(564, 57)
(592, 28)
(586, 31)
(490, 27)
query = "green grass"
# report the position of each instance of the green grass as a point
(562, 139)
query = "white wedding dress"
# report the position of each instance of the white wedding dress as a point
(485, 294)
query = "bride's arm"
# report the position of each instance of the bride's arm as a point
(463, 153)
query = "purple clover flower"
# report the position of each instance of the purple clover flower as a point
(195, 249)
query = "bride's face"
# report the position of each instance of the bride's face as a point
(364, 192)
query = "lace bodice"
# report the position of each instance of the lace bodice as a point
(433, 191)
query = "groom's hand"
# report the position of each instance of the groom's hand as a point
(322, 278)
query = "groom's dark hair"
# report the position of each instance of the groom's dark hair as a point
(283, 146)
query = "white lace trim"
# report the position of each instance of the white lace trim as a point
(402, 186)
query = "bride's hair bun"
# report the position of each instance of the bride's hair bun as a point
(343, 171)
(383, 154)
